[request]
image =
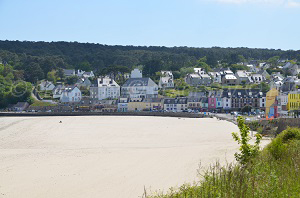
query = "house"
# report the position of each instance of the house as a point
(282, 104)
(272, 103)
(69, 72)
(193, 79)
(215, 100)
(57, 91)
(83, 82)
(264, 73)
(216, 77)
(46, 86)
(20, 106)
(226, 100)
(205, 79)
(136, 104)
(176, 104)
(243, 77)
(287, 65)
(105, 88)
(88, 74)
(229, 79)
(71, 94)
(198, 79)
(257, 78)
(252, 68)
(152, 104)
(293, 101)
(294, 70)
(245, 97)
(139, 87)
(290, 83)
(80, 73)
(123, 104)
(166, 82)
(276, 80)
(204, 103)
(194, 103)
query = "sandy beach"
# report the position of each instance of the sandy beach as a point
(106, 156)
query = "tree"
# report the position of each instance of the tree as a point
(60, 73)
(152, 66)
(247, 151)
(273, 61)
(33, 72)
(51, 76)
(71, 80)
(186, 70)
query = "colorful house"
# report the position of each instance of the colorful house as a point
(293, 101)
(272, 103)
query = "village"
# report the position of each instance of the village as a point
(250, 92)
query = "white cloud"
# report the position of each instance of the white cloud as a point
(285, 3)
(293, 4)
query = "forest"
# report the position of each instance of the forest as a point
(36, 59)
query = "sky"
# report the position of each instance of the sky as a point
(194, 23)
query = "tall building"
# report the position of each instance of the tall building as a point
(105, 88)
(139, 87)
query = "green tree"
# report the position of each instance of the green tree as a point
(51, 76)
(186, 70)
(247, 151)
(71, 80)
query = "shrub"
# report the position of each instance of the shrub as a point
(278, 146)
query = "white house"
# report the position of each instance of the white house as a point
(243, 77)
(71, 94)
(88, 74)
(46, 86)
(139, 87)
(106, 88)
(166, 80)
(216, 77)
(257, 78)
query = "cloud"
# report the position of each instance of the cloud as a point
(293, 4)
(285, 3)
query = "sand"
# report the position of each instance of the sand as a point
(106, 156)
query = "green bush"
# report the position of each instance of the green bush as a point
(278, 147)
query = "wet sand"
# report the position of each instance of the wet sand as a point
(106, 156)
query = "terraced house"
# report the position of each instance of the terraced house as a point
(176, 104)
(243, 97)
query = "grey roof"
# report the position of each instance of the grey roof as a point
(139, 82)
(242, 93)
(194, 99)
(175, 101)
(153, 99)
(69, 71)
(197, 94)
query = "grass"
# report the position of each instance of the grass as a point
(273, 173)
(42, 104)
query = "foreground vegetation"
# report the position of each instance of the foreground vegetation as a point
(272, 172)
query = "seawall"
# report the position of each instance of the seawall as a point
(159, 114)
